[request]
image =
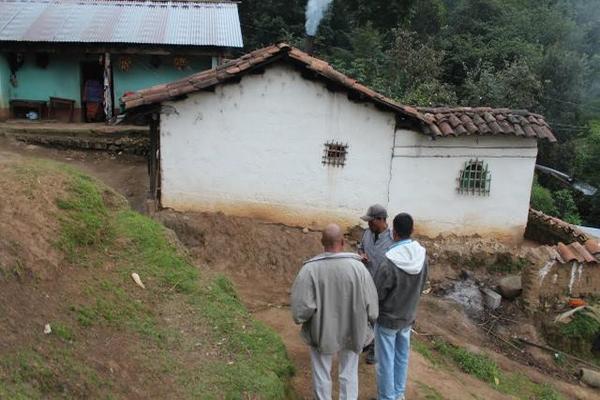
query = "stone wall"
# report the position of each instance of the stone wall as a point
(129, 144)
(549, 280)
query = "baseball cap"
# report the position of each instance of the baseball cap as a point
(375, 211)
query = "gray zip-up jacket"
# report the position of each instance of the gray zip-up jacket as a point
(400, 279)
(334, 297)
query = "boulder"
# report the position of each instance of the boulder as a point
(510, 286)
(492, 299)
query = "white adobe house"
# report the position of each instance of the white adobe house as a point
(280, 135)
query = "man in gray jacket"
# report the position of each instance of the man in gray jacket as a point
(399, 279)
(334, 297)
(372, 248)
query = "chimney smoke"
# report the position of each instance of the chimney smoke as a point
(315, 9)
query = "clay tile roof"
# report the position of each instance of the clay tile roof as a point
(593, 246)
(437, 122)
(557, 224)
(576, 252)
(486, 120)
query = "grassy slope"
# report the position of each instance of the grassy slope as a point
(441, 354)
(218, 351)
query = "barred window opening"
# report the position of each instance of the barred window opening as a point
(334, 154)
(475, 178)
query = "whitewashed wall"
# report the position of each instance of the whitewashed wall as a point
(424, 183)
(255, 148)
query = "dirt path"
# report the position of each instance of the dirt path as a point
(262, 260)
(422, 375)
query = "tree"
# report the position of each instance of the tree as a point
(565, 206)
(515, 84)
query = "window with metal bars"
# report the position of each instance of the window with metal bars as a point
(335, 154)
(475, 178)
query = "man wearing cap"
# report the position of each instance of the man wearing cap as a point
(374, 244)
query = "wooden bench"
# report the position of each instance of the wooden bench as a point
(59, 103)
(28, 105)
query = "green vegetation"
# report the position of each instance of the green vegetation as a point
(543, 56)
(507, 264)
(85, 223)
(542, 200)
(429, 392)
(478, 365)
(63, 332)
(484, 368)
(582, 327)
(98, 231)
(423, 349)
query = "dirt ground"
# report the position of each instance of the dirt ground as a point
(262, 259)
(127, 174)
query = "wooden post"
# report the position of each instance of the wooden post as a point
(108, 101)
(154, 158)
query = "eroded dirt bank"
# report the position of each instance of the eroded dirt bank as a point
(262, 259)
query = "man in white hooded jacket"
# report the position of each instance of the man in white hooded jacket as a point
(399, 279)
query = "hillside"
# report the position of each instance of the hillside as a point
(68, 247)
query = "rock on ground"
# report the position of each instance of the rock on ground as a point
(510, 286)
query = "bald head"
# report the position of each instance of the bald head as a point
(333, 238)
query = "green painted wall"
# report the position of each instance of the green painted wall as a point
(4, 82)
(60, 78)
(142, 74)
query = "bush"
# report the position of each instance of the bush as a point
(565, 206)
(542, 200)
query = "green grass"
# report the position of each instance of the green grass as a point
(484, 368)
(478, 365)
(32, 375)
(97, 228)
(85, 220)
(423, 349)
(507, 264)
(575, 337)
(581, 327)
(429, 392)
(63, 332)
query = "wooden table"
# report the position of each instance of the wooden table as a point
(59, 103)
(37, 105)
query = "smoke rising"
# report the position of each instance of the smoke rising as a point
(314, 14)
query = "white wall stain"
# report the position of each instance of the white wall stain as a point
(544, 271)
(573, 272)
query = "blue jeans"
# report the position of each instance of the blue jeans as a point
(392, 348)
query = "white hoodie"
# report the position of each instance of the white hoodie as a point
(409, 256)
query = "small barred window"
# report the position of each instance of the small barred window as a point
(335, 154)
(475, 178)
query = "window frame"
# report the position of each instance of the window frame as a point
(475, 178)
(334, 154)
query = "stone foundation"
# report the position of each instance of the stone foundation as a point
(138, 145)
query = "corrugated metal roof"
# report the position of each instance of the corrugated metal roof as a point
(126, 21)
